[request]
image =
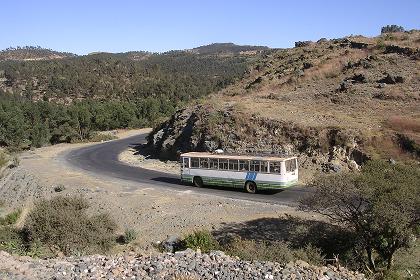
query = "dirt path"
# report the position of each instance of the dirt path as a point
(153, 212)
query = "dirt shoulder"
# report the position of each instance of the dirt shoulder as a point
(133, 158)
(152, 211)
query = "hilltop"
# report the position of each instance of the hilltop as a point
(121, 76)
(30, 53)
(228, 49)
(334, 103)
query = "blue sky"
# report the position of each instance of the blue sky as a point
(118, 26)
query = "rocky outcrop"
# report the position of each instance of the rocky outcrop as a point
(391, 79)
(300, 44)
(180, 265)
(204, 128)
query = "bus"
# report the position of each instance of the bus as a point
(251, 173)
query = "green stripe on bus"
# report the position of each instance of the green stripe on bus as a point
(238, 183)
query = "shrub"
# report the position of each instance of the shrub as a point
(14, 242)
(277, 251)
(11, 218)
(15, 162)
(392, 28)
(62, 223)
(201, 239)
(59, 188)
(128, 236)
(380, 205)
(3, 159)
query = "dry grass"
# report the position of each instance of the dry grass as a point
(332, 67)
(404, 124)
(402, 39)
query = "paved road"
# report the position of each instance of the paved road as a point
(103, 159)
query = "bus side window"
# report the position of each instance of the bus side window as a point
(223, 164)
(185, 162)
(233, 164)
(275, 167)
(243, 165)
(290, 165)
(255, 165)
(214, 163)
(264, 166)
(195, 163)
(204, 163)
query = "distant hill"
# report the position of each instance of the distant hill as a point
(177, 75)
(32, 53)
(228, 48)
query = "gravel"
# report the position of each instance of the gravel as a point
(186, 265)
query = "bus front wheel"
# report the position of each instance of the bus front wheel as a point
(250, 187)
(198, 182)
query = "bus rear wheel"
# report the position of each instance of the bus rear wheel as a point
(250, 187)
(198, 182)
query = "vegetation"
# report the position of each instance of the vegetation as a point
(62, 224)
(128, 236)
(381, 206)
(277, 251)
(67, 100)
(33, 124)
(4, 159)
(201, 239)
(31, 52)
(177, 76)
(392, 28)
(11, 218)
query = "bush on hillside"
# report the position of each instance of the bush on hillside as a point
(63, 224)
(201, 239)
(392, 28)
(11, 218)
(277, 251)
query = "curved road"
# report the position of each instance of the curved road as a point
(103, 159)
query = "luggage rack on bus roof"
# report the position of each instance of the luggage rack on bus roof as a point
(254, 154)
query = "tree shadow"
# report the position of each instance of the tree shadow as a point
(141, 149)
(298, 233)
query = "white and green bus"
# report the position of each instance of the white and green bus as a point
(239, 171)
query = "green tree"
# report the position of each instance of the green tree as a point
(381, 205)
(392, 28)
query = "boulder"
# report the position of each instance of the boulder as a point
(358, 45)
(299, 44)
(391, 79)
(171, 243)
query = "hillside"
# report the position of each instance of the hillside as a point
(227, 49)
(125, 76)
(48, 101)
(30, 53)
(334, 103)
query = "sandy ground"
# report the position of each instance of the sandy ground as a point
(130, 157)
(153, 212)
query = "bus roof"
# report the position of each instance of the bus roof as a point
(232, 156)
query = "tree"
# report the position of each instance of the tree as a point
(392, 28)
(381, 205)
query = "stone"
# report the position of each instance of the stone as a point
(391, 79)
(170, 243)
(299, 44)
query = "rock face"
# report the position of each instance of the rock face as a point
(205, 128)
(300, 44)
(181, 265)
